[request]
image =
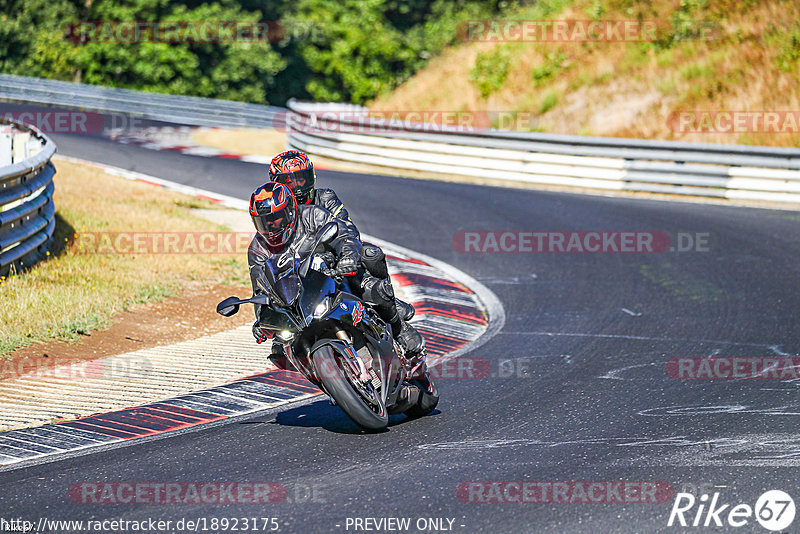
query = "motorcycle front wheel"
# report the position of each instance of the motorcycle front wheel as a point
(361, 403)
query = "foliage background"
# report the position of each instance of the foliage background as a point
(342, 50)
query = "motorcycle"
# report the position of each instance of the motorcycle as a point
(336, 341)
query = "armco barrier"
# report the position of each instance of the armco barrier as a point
(699, 169)
(188, 110)
(27, 212)
(724, 171)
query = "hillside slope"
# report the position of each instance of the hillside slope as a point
(705, 57)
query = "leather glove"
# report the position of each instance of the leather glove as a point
(328, 258)
(345, 267)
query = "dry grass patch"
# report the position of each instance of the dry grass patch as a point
(244, 141)
(73, 292)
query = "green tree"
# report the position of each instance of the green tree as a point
(348, 50)
(32, 38)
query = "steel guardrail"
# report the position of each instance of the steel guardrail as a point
(188, 110)
(698, 169)
(345, 132)
(27, 211)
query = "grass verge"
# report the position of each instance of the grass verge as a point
(73, 293)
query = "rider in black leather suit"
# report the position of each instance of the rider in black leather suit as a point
(284, 229)
(296, 171)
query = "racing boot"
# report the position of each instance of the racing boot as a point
(379, 294)
(417, 372)
(414, 348)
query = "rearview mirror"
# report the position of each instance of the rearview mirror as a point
(228, 307)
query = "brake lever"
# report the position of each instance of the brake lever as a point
(333, 274)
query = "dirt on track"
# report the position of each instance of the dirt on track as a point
(181, 318)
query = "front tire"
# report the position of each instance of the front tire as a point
(369, 415)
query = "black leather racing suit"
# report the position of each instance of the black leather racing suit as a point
(377, 286)
(328, 199)
(372, 257)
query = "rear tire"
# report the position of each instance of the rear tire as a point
(338, 386)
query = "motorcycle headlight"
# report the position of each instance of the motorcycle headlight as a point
(321, 308)
(285, 335)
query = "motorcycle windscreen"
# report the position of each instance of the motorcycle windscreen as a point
(283, 278)
(316, 286)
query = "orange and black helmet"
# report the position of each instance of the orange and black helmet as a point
(293, 169)
(274, 212)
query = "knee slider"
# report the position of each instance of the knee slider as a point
(374, 260)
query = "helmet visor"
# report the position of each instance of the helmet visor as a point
(274, 226)
(298, 181)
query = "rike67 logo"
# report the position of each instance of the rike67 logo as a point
(774, 510)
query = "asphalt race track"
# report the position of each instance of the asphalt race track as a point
(579, 388)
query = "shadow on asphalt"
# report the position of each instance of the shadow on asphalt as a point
(331, 418)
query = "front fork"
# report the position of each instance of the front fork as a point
(354, 361)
